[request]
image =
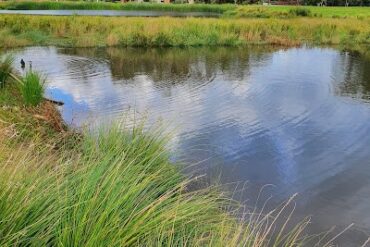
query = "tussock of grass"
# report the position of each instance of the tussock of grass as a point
(32, 88)
(118, 188)
(150, 32)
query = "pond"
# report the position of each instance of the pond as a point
(127, 13)
(296, 119)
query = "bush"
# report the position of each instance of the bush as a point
(32, 89)
(300, 12)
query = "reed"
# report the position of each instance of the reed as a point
(32, 88)
(78, 31)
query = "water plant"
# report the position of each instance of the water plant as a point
(5, 69)
(32, 88)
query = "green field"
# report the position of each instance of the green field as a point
(253, 11)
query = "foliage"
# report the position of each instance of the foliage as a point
(32, 89)
(300, 12)
(5, 69)
(81, 31)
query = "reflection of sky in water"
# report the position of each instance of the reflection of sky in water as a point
(263, 117)
(71, 107)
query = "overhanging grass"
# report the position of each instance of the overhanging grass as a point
(118, 188)
(28, 5)
(79, 31)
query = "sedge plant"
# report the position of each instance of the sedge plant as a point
(32, 88)
(119, 188)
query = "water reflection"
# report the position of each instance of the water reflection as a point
(296, 118)
(354, 79)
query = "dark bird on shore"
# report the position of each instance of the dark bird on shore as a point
(23, 64)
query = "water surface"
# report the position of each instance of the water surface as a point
(298, 118)
(127, 13)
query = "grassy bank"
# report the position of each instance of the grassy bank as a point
(115, 187)
(28, 5)
(145, 32)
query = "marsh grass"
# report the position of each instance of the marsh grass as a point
(5, 69)
(32, 88)
(78, 31)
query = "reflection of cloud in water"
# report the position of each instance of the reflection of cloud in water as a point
(71, 108)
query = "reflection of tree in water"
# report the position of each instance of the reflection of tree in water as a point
(354, 78)
(172, 66)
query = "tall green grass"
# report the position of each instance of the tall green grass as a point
(78, 31)
(30, 5)
(5, 69)
(118, 188)
(32, 88)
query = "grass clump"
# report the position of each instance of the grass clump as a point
(5, 69)
(32, 88)
(118, 188)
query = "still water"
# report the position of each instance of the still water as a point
(127, 13)
(298, 119)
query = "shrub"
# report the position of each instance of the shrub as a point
(300, 12)
(32, 89)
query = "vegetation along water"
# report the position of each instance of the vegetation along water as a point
(117, 31)
(118, 186)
